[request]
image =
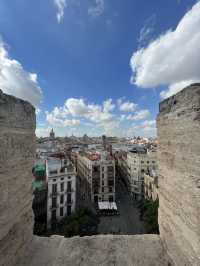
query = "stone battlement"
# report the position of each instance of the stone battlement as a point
(179, 193)
(179, 175)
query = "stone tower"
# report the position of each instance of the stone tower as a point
(17, 152)
(52, 135)
(179, 181)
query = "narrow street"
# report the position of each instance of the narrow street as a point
(128, 222)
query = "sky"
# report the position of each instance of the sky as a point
(98, 66)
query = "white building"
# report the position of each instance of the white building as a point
(97, 169)
(151, 185)
(139, 162)
(61, 178)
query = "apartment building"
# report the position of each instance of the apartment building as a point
(39, 204)
(122, 168)
(61, 179)
(139, 162)
(97, 170)
(151, 185)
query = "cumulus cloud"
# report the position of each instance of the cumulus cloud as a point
(126, 106)
(108, 105)
(105, 118)
(60, 5)
(172, 59)
(57, 121)
(76, 107)
(139, 115)
(148, 125)
(15, 80)
(97, 10)
(176, 87)
(146, 128)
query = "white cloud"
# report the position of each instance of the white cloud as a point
(139, 115)
(91, 118)
(145, 129)
(60, 5)
(38, 111)
(59, 118)
(148, 125)
(176, 87)
(15, 80)
(126, 106)
(173, 58)
(97, 10)
(108, 105)
(73, 108)
(147, 30)
(76, 107)
(42, 131)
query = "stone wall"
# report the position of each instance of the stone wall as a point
(179, 182)
(179, 193)
(17, 151)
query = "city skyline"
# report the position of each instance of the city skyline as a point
(85, 65)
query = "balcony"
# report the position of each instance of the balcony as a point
(54, 207)
(53, 194)
(69, 190)
(69, 202)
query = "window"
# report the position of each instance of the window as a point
(69, 186)
(62, 178)
(102, 169)
(53, 172)
(61, 211)
(142, 161)
(102, 189)
(69, 177)
(110, 198)
(54, 201)
(111, 182)
(61, 199)
(102, 175)
(110, 168)
(153, 161)
(54, 188)
(53, 215)
(54, 180)
(69, 198)
(110, 189)
(62, 186)
(147, 161)
(69, 210)
(102, 183)
(96, 169)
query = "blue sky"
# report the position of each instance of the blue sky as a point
(97, 66)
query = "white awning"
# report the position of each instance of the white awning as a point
(106, 205)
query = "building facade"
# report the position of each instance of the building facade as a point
(122, 168)
(151, 185)
(98, 171)
(39, 204)
(61, 201)
(139, 162)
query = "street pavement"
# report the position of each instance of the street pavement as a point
(128, 222)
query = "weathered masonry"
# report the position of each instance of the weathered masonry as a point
(179, 181)
(17, 151)
(179, 192)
